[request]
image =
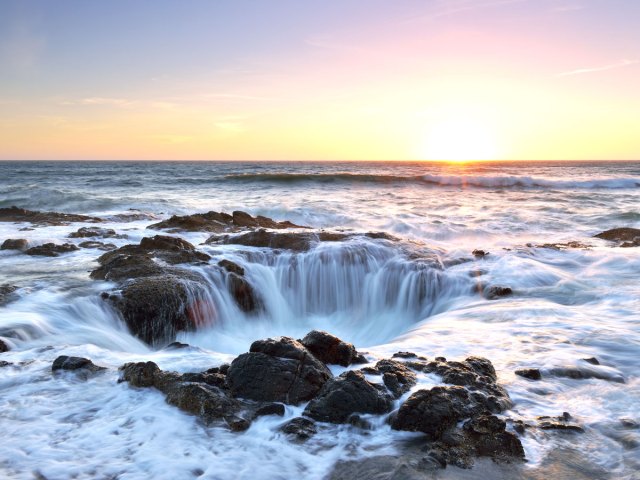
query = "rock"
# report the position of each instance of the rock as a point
(231, 267)
(213, 379)
(219, 222)
(329, 348)
(15, 214)
(243, 293)
(237, 424)
(4, 363)
(6, 292)
(92, 232)
(346, 395)
(140, 374)
(487, 435)
(4, 347)
(107, 247)
(559, 423)
(15, 244)
(627, 237)
(301, 427)
(479, 253)
(207, 402)
(530, 373)
(584, 373)
(51, 249)
(397, 377)
(433, 411)
(592, 360)
(565, 246)
(495, 291)
(277, 370)
(270, 409)
(176, 346)
(383, 467)
(64, 362)
(296, 241)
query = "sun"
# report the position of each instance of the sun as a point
(460, 140)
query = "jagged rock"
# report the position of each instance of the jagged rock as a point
(6, 292)
(277, 370)
(488, 438)
(495, 291)
(107, 247)
(15, 244)
(243, 293)
(559, 423)
(219, 222)
(397, 377)
(15, 214)
(207, 402)
(231, 267)
(140, 374)
(530, 373)
(51, 249)
(301, 427)
(329, 348)
(92, 232)
(626, 237)
(64, 362)
(213, 379)
(346, 395)
(270, 409)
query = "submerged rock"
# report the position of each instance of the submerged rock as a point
(346, 395)
(93, 232)
(15, 244)
(219, 222)
(587, 372)
(64, 362)
(15, 214)
(231, 267)
(559, 423)
(530, 373)
(277, 370)
(107, 247)
(494, 292)
(329, 348)
(300, 427)
(6, 293)
(4, 347)
(626, 237)
(51, 249)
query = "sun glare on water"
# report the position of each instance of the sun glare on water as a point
(459, 140)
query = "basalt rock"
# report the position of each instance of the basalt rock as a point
(51, 249)
(494, 292)
(15, 244)
(486, 436)
(106, 247)
(561, 422)
(4, 347)
(301, 428)
(396, 376)
(243, 293)
(530, 373)
(15, 214)
(78, 364)
(95, 232)
(588, 372)
(277, 370)
(6, 293)
(329, 348)
(231, 267)
(626, 237)
(270, 409)
(346, 395)
(218, 222)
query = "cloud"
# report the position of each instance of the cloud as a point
(602, 68)
(452, 8)
(116, 102)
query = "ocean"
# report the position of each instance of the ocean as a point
(418, 289)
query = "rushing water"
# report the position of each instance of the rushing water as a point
(417, 294)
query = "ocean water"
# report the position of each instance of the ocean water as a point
(418, 294)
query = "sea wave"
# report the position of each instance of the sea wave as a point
(440, 180)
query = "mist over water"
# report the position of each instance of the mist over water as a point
(420, 293)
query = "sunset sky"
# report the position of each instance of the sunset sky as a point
(348, 79)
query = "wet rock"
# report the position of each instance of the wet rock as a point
(479, 253)
(565, 246)
(6, 293)
(270, 409)
(530, 373)
(64, 362)
(300, 427)
(243, 293)
(592, 360)
(626, 237)
(384, 467)
(140, 374)
(219, 222)
(15, 214)
(396, 376)
(107, 247)
(231, 267)
(329, 348)
(207, 402)
(51, 249)
(237, 424)
(488, 437)
(4, 363)
(176, 346)
(15, 244)
(93, 232)
(214, 379)
(346, 395)
(4, 347)
(277, 370)
(559, 423)
(584, 373)
(495, 291)
(433, 411)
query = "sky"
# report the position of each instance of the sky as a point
(320, 80)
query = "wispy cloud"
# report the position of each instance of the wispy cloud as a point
(452, 8)
(601, 68)
(567, 8)
(116, 102)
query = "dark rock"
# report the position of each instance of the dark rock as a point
(479, 253)
(92, 232)
(213, 379)
(15, 214)
(301, 427)
(559, 423)
(64, 362)
(237, 424)
(487, 435)
(51, 249)
(345, 395)
(384, 467)
(140, 374)
(270, 409)
(231, 267)
(176, 346)
(565, 246)
(219, 222)
(495, 291)
(243, 293)
(277, 370)
(209, 403)
(4, 363)
(15, 244)
(628, 237)
(592, 360)
(433, 411)
(397, 377)
(584, 373)
(6, 292)
(329, 348)
(530, 373)
(407, 355)
(107, 247)
(4, 347)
